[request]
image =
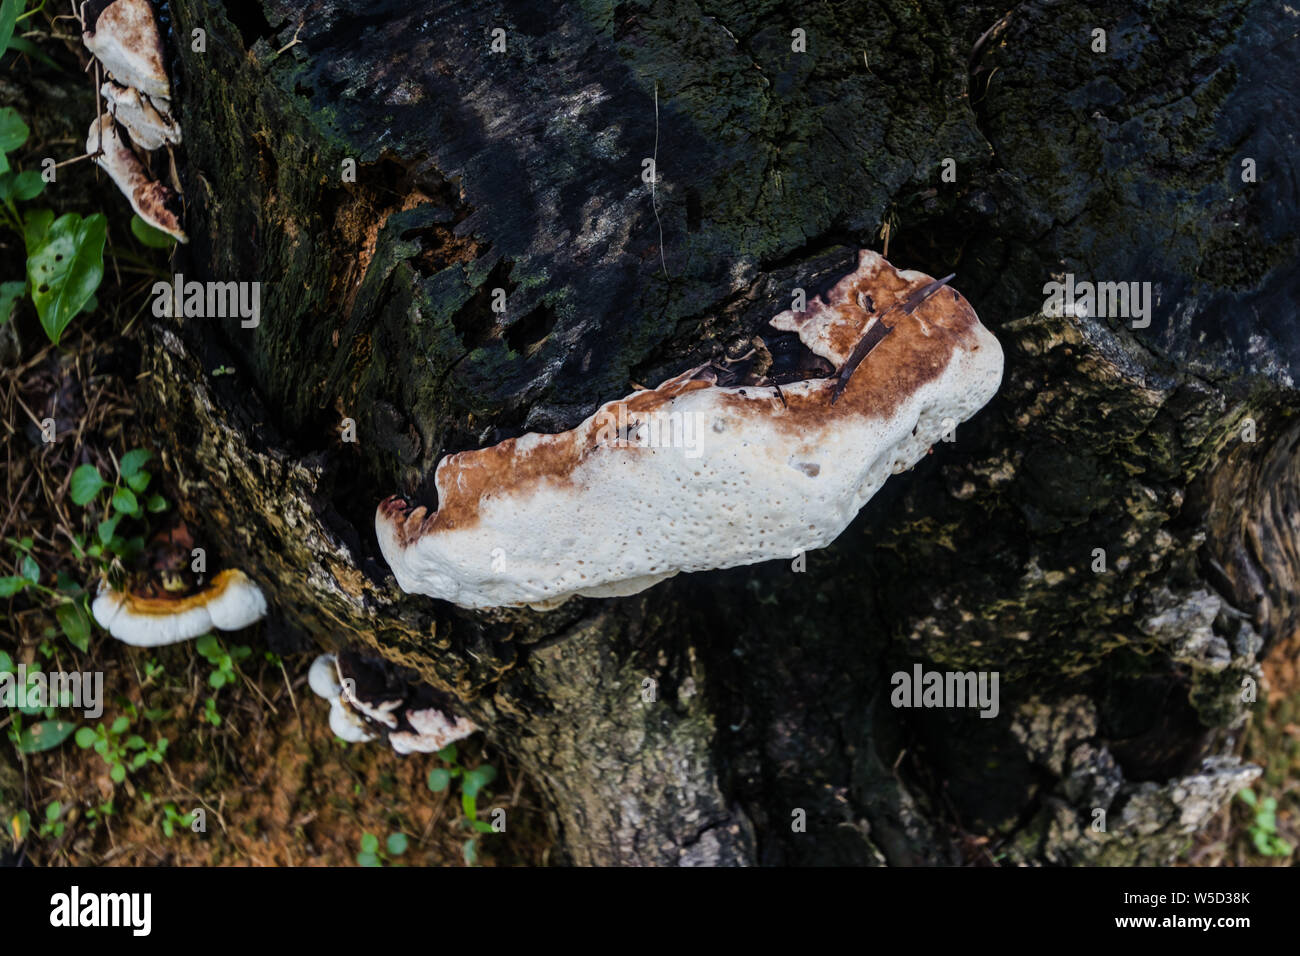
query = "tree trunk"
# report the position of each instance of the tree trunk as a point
(1101, 535)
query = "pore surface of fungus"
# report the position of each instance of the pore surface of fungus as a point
(693, 475)
(230, 602)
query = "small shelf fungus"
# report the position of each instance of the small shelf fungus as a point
(367, 700)
(698, 473)
(123, 36)
(230, 602)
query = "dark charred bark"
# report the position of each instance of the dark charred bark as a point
(1121, 690)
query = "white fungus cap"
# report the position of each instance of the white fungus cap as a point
(346, 725)
(125, 39)
(323, 677)
(540, 518)
(148, 197)
(229, 603)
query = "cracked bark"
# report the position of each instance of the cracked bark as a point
(521, 171)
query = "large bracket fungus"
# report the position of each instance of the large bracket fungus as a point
(694, 474)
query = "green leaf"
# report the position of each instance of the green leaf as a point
(368, 859)
(85, 737)
(208, 646)
(31, 570)
(6, 662)
(124, 501)
(133, 461)
(217, 679)
(139, 481)
(53, 811)
(470, 851)
(151, 237)
(36, 226)
(65, 269)
(20, 824)
(448, 753)
(10, 293)
(1247, 796)
(482, 826)
(27, 185)
(45, 735)
(478, 778)
(13, 131)
(107, 527)
(118, 773)
(9, 13)
(119, 725)
(75, 623)
(397, 844)
(86, 483)
(369, 843)
(23, 45)
(12, 585)
(439, 779)
(155, 504)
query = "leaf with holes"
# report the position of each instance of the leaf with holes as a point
(65, 268)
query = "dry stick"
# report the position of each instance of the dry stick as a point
(13, 505)
(654, 179)
(74, 159)
(294, 42)
(259, 693)
(292, 698)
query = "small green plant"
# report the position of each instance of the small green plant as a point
(53, 824)
(173, 818)
(472, 783)
(1263, 828)
(225, 667)
(224, 663)
(40, 735)
(122, 754)
(68, 597)
(124, 499)
(372, 855)
(65, 256)
(95, 814)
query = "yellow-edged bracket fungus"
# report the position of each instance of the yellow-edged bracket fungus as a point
(229, 602)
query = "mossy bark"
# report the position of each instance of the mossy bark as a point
(702, 721)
